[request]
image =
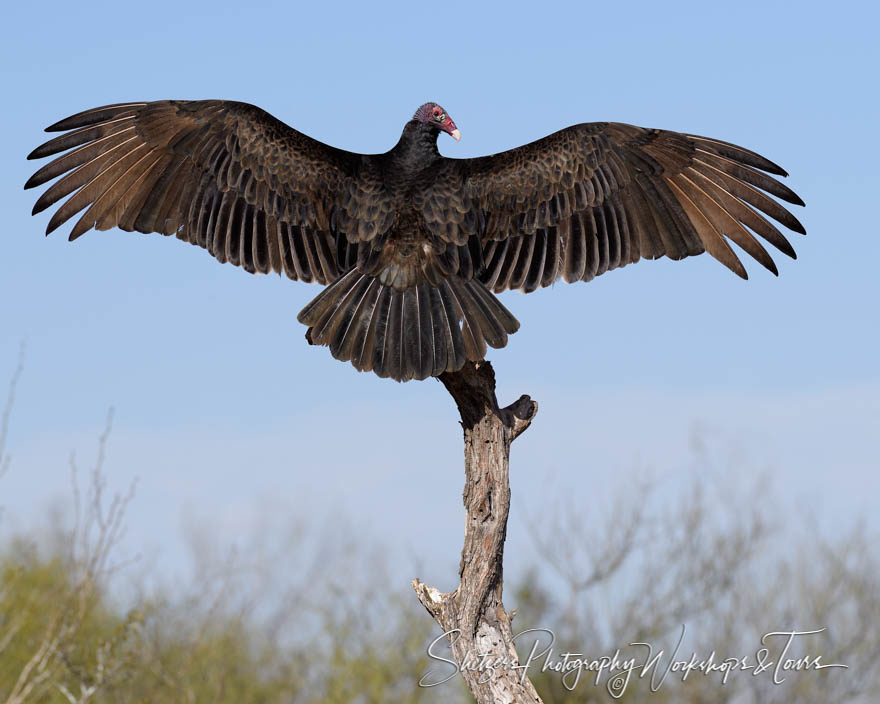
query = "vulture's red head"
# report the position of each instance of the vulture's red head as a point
(433, 114)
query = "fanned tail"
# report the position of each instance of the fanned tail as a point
(411, 333)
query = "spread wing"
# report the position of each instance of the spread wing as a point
(223, 175)
(598, 196)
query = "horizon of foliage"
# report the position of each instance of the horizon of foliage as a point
(286, 623)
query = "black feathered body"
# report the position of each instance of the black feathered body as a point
(409, 244)
(408, 305)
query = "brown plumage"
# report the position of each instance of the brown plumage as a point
(410, 244)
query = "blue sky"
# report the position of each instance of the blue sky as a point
(224, 412)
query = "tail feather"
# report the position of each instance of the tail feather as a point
(392, 354)
(344, 322)
(338, 324)
(371, 353)
(474, 344)
(406, 334)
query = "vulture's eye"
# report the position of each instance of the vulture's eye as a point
(440, 117)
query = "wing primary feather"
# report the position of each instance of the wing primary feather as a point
(115, 215)
(95, 115)
(712, 240)
(750, 175)
(80, 176)
(78, 157)
(170, 209)
(647, 240)
(724, 222)
(141, 190)
(179, 223)
(75, 138)
(155, 207)
(751, 195)
(91, 190)
(674, 244)
(110, 197)
(732, 151)
(744, 214)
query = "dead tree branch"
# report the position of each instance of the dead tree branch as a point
(474, 615)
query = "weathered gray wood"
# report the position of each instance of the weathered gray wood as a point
(474, 611)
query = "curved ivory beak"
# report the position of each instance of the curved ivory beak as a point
(456, 134)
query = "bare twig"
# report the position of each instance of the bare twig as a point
(57, 662)
(7, 411)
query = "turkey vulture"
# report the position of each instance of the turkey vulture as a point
(410, 245)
